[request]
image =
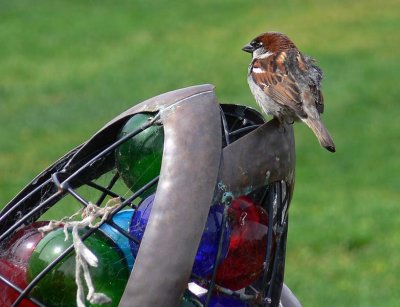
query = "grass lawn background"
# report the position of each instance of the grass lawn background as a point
(67, 67)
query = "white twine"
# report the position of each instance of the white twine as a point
(84, 256)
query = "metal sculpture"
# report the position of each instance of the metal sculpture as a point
(212, 153)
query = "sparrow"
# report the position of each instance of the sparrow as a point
(287, 84)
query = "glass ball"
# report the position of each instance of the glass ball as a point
(207, 252)
(139, 222)
(138, 160)
(223, 300)
(14, 257)
(58, 287)
(217, 300)
(17, 275)
(244, 262)
(206, 256)
(122, 219)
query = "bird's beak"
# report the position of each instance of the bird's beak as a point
(248, 48)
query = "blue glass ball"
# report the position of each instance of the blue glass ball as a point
(139, 222)
(122, 219)
(208, 247)
(222, 300)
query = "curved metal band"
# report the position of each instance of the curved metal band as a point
(265, 155)
(190, 163)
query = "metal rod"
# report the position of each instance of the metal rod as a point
(123, 231)
(79, 198)
(65, 186)
(244, 129)
(225, 127)
(107, 190)
(236, 115)
(271, 202)
(5, 214)
(129, 200)
(277, 248)
(276, 263)
(279, 202)
(17, 289)
(30, 213)
(218, 256)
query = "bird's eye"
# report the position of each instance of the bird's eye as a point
(256, 44)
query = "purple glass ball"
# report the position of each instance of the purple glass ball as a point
(222, 300)
(207, 252)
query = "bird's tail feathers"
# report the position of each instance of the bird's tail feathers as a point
(321, 133)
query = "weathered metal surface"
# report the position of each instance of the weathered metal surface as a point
(264, 155)
(288, 299)
(192, 152)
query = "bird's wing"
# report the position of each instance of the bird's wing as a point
(278, 76)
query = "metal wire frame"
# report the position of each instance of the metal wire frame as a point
(65, 184)
(234, 124)
(68, 250)
(63, 187)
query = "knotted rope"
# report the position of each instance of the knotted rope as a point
(83, 255)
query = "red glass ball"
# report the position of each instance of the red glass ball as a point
(16, 275)
(14, 256)
(244, 262)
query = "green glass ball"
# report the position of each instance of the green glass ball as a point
(138, 160)
(58, 287)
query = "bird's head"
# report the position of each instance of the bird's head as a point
(268, 42)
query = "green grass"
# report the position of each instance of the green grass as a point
(67, 67)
